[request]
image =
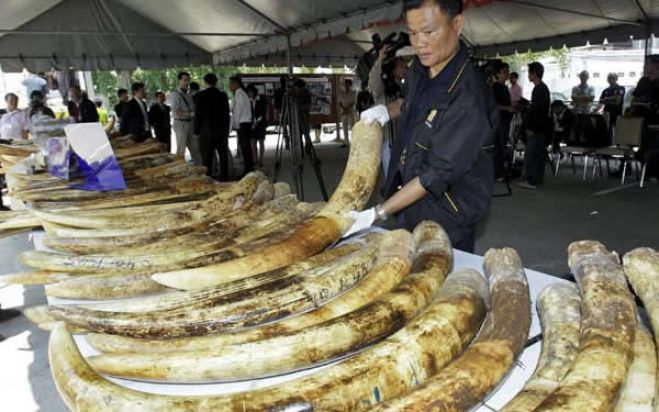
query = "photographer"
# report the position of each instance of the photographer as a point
(441, 167)
(386, 90)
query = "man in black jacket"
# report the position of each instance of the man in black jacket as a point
(159, 117)
(537, 125)
(88, 112)
(134, 115)
(441, 167)
(211, 123)
(563, 120)
(80, 108)
(122, 94)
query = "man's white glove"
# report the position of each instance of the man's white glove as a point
(378, 113)
(362, 220)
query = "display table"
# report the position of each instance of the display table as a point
(505, 392)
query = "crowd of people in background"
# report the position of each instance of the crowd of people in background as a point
(202, 119)
(542, 127)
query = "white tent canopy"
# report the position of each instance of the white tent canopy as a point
(124, 34)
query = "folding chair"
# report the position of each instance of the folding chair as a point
(588, 140)
(627, 139)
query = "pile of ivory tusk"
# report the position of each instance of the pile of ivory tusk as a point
(596, 353)
(14, 152)
(428, 340)
(188, 235)
(243, 282)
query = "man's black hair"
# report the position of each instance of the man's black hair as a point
(136, 86)
(252, 89)
(500, 65)
(537, 68)
(210, 79)
(515, 75)
(450, 7)
(8, 95)
(121, 92)
(194, 86)
(36, 93)
(238, 80)
(653, 58)
(348, 81)
(181, 74)
(98, 103)
(557, 103)
(158, 93)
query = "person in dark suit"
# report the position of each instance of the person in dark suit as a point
(134, 115)
(80, 108)
(563, 121)
(260, 110)
(122, 94)
(212, 124)
(88, 112)
(159, 117)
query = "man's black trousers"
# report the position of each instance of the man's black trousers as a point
(245, 145)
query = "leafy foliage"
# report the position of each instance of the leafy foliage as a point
(107, 82)
(518, 61)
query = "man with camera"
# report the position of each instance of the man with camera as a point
(385, 81)
(441, 167)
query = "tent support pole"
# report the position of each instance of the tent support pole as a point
(262, 15)
(289, 63)
(642, 10)
(128, 33)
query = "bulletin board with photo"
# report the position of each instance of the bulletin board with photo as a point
(323, 90)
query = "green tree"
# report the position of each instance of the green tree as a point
(519, 61)
(106, 82)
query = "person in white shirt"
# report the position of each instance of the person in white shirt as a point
(583, 95)
(14, 123)
(241, 121)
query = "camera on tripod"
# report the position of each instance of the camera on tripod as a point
(395, 41)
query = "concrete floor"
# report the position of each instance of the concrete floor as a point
(539, 224)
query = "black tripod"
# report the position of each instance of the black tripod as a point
(289, 129)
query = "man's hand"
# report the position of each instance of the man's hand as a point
(362, 220)
(383, 53)
(378, 113)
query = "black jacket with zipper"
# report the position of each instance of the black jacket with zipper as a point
(451, 151)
